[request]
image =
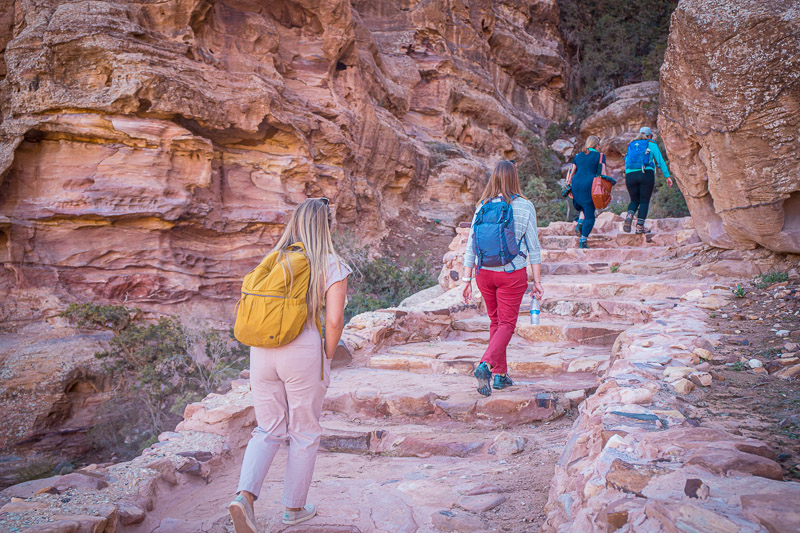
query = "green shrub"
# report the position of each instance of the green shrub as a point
(737, 366)
(36, 468)
(441, 152)
(667, 202)
(765, 280)
(154, 371)
(379, 283)
(539, 174)
(616, 42)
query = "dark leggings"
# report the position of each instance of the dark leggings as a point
(589, 217)
(640, 188)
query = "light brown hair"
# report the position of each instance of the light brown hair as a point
(592, 141)
(310, 225)
(504, 180)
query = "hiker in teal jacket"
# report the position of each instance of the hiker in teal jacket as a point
(640, 176)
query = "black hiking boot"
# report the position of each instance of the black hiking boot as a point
(640, 229)
(484, 377)
(583, 244)
(579, 227)
(626, 226)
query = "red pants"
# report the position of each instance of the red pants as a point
(502, 292)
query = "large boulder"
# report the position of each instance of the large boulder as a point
(729, 116)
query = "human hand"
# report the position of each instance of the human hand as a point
(467, 292)
(538, 290)
(669, 182)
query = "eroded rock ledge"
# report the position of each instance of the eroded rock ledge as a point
(150, 151)
(637, 461)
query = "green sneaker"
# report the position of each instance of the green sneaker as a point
(296, 517)
(501, 382)
(484, 377)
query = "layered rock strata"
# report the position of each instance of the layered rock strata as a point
(729, 115)
(622, 112)
(150, 152)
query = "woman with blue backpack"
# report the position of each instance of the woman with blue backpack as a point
(640, 176)
(584, 168)
(503, 245)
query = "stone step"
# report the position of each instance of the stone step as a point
(627, 310)
(578, 269)
(655, 225)
(615, 285)
(340, 435)
(399, 395)
(462, 357)
(605, 255)
(551, 329)
(615, 240)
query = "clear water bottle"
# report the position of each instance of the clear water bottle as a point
(534, 310)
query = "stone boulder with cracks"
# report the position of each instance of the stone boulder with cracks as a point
(729, 115)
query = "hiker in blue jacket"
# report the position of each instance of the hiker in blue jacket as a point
(640, 176)
(584, 168)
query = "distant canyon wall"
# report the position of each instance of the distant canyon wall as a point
(730, 118)
(149, 152)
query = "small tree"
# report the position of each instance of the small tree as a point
(153, 367)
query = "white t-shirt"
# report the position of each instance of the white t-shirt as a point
(336, 272)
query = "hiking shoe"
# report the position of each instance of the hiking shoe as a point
(484, 377)
(501, 382)
(626, 226)
(242, 515)
(579, 227)
(582, 244)
(640, 229)
(291, 518)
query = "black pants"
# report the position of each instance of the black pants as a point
(640, 187)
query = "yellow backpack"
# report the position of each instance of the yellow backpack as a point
(270, 313)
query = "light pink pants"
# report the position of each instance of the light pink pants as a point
(288, 394)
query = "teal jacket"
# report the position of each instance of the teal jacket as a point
(656, 153)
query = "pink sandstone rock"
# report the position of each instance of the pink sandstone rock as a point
(726, 100)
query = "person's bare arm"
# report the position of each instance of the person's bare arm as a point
(334, 316)
(571, 172)
(466, 292)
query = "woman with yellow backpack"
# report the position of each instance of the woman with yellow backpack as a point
(280, 316)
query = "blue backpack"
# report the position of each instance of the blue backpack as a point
(638, 155)
(494, 241)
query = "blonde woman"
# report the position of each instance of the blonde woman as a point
(506, 253)
(584, 168)
(286, 383)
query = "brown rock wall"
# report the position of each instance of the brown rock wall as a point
(730, 112)
(151, 151)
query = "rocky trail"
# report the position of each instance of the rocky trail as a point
(602, 431)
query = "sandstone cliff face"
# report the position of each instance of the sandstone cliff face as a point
(730, 114)
(150, 151)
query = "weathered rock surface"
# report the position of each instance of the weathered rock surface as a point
(729, 115)
(149, 152)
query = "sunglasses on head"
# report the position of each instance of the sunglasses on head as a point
(322, 199)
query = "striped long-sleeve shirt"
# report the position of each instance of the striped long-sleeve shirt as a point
(524, 225)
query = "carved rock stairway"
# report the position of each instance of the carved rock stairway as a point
(408, 444)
